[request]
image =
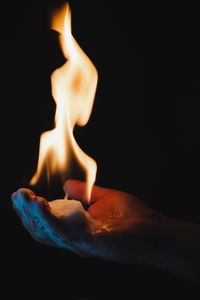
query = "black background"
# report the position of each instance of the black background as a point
(143, 130)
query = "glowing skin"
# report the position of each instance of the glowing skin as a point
(49, 222)
(117, 226)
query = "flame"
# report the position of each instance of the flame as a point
(73, 89)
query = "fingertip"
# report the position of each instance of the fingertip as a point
(25, 194)
(26, 191)
(13, 199)
(42, 202)
(14, 196)
(71, 185)
(28, 196)
(65, 186)
(75, 189)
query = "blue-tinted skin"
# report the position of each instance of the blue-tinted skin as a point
(117, 226)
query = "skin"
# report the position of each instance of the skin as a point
(117, 226)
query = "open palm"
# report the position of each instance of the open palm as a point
(115, 225)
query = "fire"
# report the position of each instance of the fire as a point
(73, 89)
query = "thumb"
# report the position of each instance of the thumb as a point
(76, 189)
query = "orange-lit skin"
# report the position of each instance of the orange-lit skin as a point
(117, 226)
(73, 89)
(66, 224)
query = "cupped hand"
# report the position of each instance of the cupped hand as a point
(117, 226)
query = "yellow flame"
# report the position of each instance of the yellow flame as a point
(73, 89)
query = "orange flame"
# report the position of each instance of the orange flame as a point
(73, 88)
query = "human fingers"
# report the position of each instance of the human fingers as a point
(62, 223)
(77, 190)
(31, 210)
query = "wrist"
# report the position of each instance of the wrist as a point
(162, 242)
(176, 247)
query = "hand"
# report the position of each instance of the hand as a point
(117, 226)
(61, 223)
